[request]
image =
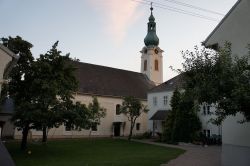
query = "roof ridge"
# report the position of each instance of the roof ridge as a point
(167, 85)
(108, 67)
(8, 51)
(222, 20)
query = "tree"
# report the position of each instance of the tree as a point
(218, 78)
(19, 85)
(171, 120)
(77, 117)
(53, 86)
(182, 123)
(132, 108)
(96, 112)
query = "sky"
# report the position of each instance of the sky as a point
(110, 32)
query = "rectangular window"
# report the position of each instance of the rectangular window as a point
(165, 100)
(155, 101)
(145, 65)
(205, 132)
(208, 133)
(138, 125)
(94, 127)
(204, 109)
(208, 109)
(118, 109)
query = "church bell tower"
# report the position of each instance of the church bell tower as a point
(151, 58)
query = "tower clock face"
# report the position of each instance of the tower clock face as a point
(156, 51)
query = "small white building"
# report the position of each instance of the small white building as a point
(159, 99)
(234, 28)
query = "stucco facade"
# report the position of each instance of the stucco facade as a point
(234, 28)
(205, 116)
(106, 127)
(156, 103)
(151, 63)
(5, 59)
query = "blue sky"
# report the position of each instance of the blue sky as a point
(108, 32)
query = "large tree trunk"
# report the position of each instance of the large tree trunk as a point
(25, 136)
(44, 135)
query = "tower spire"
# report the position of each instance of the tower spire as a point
(151, 8)
(151, 37)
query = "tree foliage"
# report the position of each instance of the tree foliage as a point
(132, 108)
(53, 86)
(19, 86)
(82, 117)
(182, 123)
(43, 91)
(220, 78)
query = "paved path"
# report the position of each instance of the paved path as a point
(195, 155)
(5, 158)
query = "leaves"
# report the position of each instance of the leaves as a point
(132, 108)
(217, 77)
(182, 122)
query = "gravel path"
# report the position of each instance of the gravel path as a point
(195, 155)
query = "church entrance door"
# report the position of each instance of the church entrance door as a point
(117, 129)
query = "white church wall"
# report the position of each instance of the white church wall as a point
(150, 56)
(105, 129)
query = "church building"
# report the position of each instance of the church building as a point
(110, 86)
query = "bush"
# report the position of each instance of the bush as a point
(146, 135)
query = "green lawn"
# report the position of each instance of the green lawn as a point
(92, 152)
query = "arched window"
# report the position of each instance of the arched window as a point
(156, 65)
(117, 109)
(145, 65)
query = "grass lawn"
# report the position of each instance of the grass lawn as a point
(92, 152)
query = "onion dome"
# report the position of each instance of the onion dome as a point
(151, 38)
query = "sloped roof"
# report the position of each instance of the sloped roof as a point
(160, 115)
(9, 52)
(107, 81)
(170, 85)
(222, 21)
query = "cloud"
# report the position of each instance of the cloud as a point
(119, 16)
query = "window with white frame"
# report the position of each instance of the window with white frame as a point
(165, 100)
(155, 101)
(206, 109)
